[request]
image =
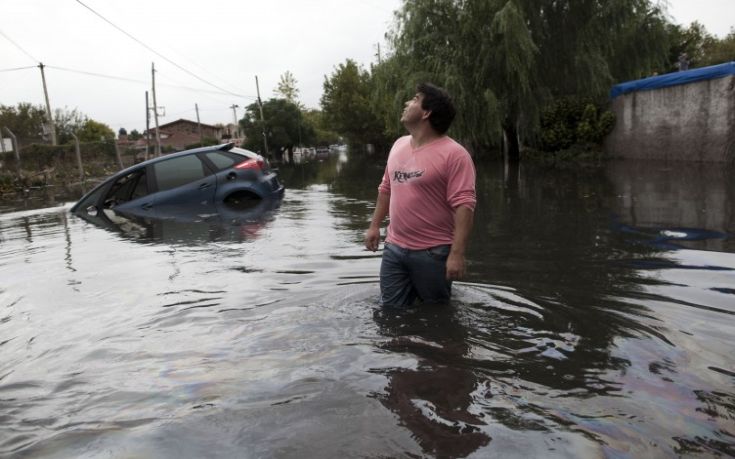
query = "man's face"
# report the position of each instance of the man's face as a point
(413, 113)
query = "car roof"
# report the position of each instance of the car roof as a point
(222, 147)
(134, 167)
(127, 170)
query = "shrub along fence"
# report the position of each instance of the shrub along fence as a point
(43, 165)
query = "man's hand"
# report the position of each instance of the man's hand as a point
(372, 238)
(455, 266)
(463, 217)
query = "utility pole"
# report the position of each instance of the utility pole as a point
(147, 127)
(262, 119)
(199, 125)
(155, 110)
(234, 119)
(50, 117)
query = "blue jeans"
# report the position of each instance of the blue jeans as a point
(409, 274)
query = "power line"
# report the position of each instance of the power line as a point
(19, 68)
(19, 47)
(100, 75)
(156, 52)
(131, 80)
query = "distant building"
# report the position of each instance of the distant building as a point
(181, 133)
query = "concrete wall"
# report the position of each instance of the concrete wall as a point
(693, 121)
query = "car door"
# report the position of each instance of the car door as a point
(228, 179)
(185, 187)
(130, 194)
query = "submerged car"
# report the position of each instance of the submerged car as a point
(190, 180)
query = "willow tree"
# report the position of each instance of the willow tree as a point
(504, 59)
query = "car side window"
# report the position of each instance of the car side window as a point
(178, 171)
(223, 160)
(127, 188)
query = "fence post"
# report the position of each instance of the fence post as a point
(16, 149)
(79, 157)
(117, 153)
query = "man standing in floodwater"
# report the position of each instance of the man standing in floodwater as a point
(428, 189)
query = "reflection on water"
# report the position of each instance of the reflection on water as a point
(596, 320)
(434, 399)
(690, 205)
(213, 222)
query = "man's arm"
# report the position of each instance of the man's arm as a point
(372, 235)
(463, 219)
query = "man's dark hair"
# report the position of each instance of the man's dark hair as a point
(439, 102)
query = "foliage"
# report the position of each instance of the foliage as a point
(702, 48)
(692, 40)
(719, 51)
(503, 60)
(287, 88)
(573, 121)
(284, 124)
(135, 135)
(67, 122)
(347, 107)
(25, 121)
(322, 134)
(57, 164)
(93, 131)
(122, 132)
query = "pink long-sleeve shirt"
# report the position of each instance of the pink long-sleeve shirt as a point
(426, 185)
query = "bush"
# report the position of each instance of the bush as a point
(56, 164)
(570, 121)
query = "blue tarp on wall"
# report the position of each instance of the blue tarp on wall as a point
(673, 79)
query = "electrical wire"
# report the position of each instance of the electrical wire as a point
(18, 46)
(100, 75)
(18, 68)
(156, 52)
(131, 80)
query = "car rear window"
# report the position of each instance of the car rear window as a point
(178, 171)
(244, 152)
(223, 160)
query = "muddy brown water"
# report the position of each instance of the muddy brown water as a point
(596, 320)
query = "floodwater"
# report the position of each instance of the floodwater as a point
(596, 320)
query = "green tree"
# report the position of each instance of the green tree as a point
(503, 60)
(287, 88)
(719, 51)
(135, 135)
(346, 105)
(25, 121)
(94, 131)
(67, 122)
(284, 125)
(322, 134)
(694, 40)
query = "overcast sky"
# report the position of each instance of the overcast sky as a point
(226, 43)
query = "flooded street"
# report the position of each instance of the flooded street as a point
(596, 320)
